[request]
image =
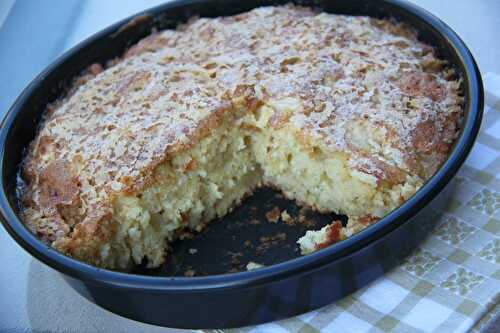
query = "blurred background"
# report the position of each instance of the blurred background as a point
(33, 34)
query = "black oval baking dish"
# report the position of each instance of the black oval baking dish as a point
(281, 290)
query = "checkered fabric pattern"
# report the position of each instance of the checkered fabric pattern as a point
(451, 283)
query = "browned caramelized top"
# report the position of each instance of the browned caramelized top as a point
(360, 86)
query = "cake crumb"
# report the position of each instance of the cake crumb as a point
(273, 215)
(287, 218)
(304, 220)
(236, 264)
(309, 223)
(253, 266)
(315, 240)
(235, 257)
(186, 235)
(267, 242)
(189, 273)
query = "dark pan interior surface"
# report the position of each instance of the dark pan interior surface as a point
(245, 235)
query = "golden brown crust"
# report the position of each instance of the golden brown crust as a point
(333, 235)
(366, 88)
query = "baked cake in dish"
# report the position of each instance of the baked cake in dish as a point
(341, 113)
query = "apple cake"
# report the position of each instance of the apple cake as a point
(340, 113)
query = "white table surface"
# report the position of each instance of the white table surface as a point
(33, 297)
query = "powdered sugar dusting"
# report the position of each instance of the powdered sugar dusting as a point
(360, 86)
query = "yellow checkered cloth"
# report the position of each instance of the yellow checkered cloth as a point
(451, 283)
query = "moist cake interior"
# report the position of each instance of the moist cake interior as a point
(342, 114)
(213, 176)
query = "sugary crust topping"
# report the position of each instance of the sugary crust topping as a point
(365, 87)
(332, 235)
